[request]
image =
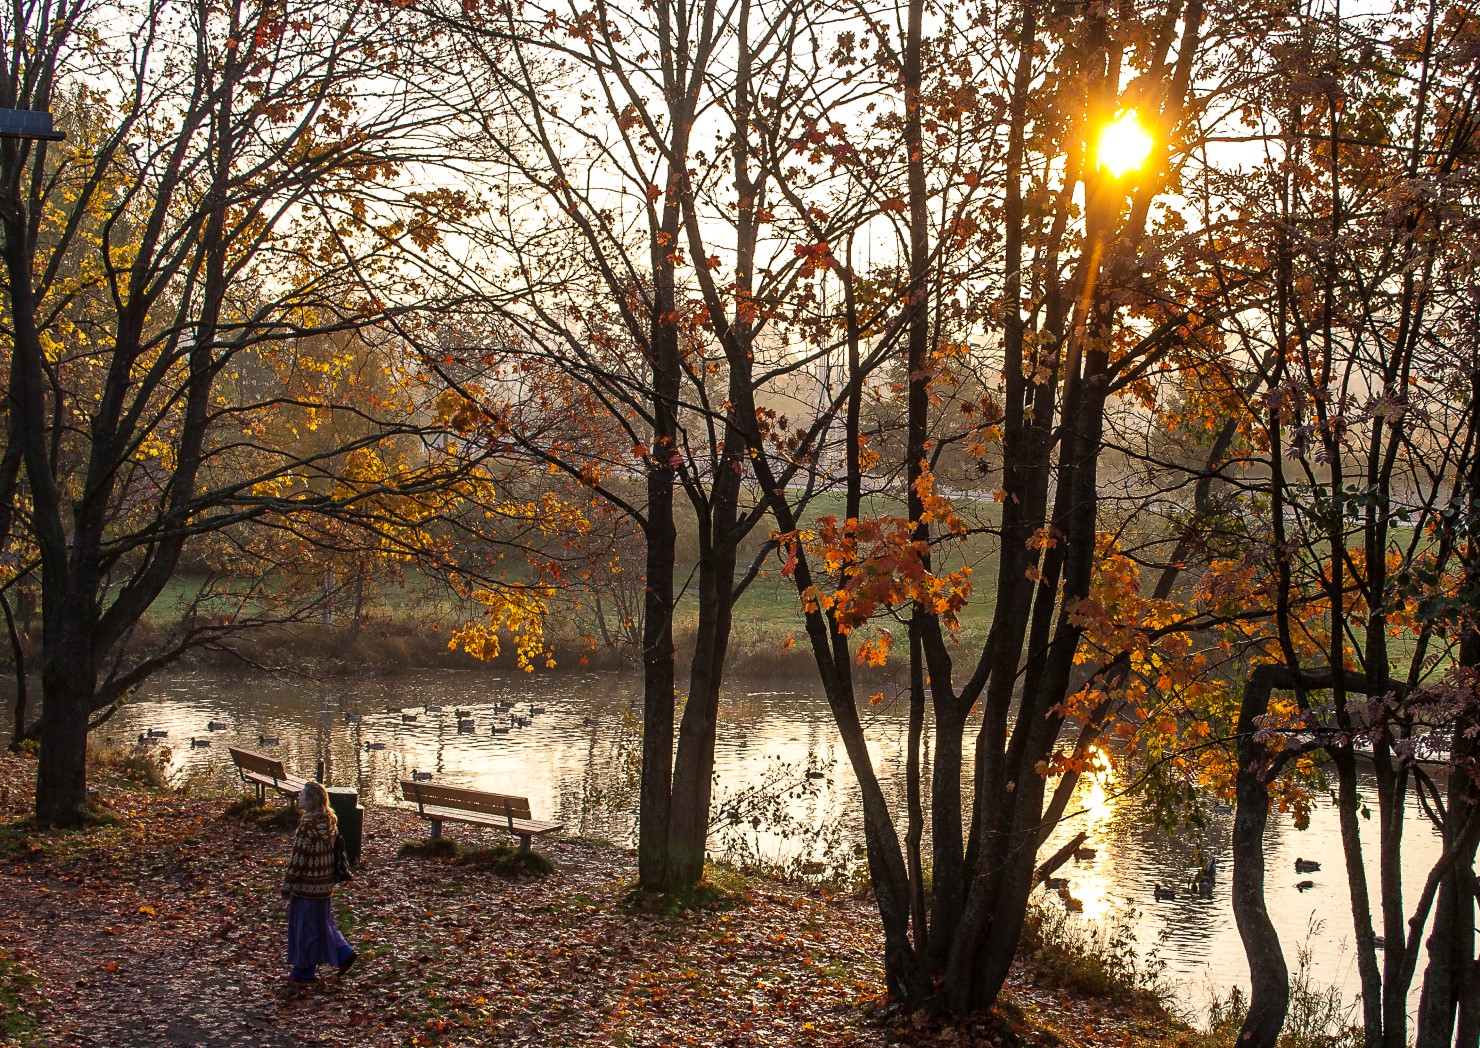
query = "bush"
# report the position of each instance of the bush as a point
(1097, 961)
(147, 767)
(1318, 1017)
(507, 861)
(431, 848)
(248, 808)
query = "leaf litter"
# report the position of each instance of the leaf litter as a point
(166, 927)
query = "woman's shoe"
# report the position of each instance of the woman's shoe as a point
(349, 962)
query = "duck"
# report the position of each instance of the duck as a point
(1056, 884)
(353, 718)
(267, 740)
(466, 726)
(199, 744)
(421, 776)
(1306, 866)
(216, 725)
(518, 721)
(1304, 886)
(535, 711)
(1221, 809)
(463, 714)
(408, 718)
(499, 729)
(393, 709)
(500, 706)
(1085, 853)
(145, 740)
(590, 722)
(374, 745)
(158, 733)
(431, 709)
(1380, 942)
(1163, 894)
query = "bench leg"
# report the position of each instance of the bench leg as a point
(436, 828)
(261, 796)
(523, 843)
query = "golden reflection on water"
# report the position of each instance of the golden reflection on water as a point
(1087, 882)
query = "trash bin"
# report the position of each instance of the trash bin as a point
(345, 801)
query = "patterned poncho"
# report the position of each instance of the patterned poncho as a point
(310, 872)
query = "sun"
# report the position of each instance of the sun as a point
(1124, 144)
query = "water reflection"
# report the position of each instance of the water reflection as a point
(577, 761)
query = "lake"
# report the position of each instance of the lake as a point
(577, 761)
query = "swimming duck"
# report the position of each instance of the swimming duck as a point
(1085, 853)
(408, 718)
(199, 744)
(216, 725)
(267, 740)
(1163, 894)
(1054, 884)
(1304, 886)
(158, 733)
(500, 729)
(421, 776)
(1306, 866)
(536, 710)
(374, 745)
(431, 709)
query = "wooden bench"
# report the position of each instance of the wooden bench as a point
(439, 804)
(263, 772)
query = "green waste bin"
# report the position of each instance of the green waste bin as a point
(351, 815)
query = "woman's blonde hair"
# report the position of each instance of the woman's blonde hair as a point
(316, 798)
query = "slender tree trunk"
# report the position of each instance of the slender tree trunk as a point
(18, 652)
(1269, 995)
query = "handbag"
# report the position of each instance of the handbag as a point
(342, 871)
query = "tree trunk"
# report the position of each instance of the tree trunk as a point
(1269, 995)
(67, 686)
(22, 697)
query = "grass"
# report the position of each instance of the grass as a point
(1093, 960)
(431, 848)
(264, 816)
(507, 861)
(20, 1000)
(94, 828)
(502, 859)
(1318, 1016)
(719, 889)
(146, 767)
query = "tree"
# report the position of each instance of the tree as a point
(1085, 319)
(646, 291)
(232, 182)
(1366, 216)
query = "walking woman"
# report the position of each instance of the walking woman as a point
(313, 937)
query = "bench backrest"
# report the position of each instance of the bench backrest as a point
(466, 800)
(246, 760)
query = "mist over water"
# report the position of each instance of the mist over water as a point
(577, 762)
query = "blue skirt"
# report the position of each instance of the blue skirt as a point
(313, 937)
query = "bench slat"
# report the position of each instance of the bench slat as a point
(431, 811)
(466, 800)
(439, 804)
(263, 771)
